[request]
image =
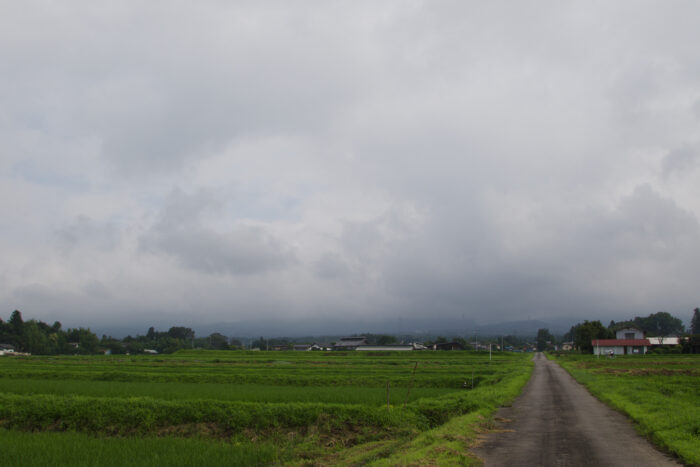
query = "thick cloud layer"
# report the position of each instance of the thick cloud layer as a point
(421, 163)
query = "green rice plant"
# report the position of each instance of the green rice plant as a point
(305, 404)
(78, 449)
(146, 415)
(225, 391)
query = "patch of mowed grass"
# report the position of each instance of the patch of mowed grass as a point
(78, 449)
(659, 392)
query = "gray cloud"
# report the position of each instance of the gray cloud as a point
(679, 160)
(240, 250)
(428, 163)
(331, 266)
(87, 233)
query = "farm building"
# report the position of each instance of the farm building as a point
(628, 341)
(620, 346)
(663, 341)
(448, 346)
(350, 343)
(391, 348)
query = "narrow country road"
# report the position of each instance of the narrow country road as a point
(557, 422)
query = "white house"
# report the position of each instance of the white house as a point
(628, 341)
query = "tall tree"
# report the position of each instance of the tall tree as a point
(660, 324)
(217, 341)
(35, 341)
(181, 332)
(584, 333)
(544, 339)
(695, 322)
(16, 323)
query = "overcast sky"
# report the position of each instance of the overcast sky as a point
(206, 162)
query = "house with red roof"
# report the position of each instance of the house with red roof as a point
(628, 341)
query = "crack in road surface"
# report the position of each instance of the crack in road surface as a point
(557, 422)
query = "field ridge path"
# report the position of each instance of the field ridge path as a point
(557, 422)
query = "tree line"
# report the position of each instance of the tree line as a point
(40, 338)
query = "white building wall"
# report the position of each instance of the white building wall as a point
(622, 333)
(605, 350)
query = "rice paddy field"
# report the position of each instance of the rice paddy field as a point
(252, 408)
(661, 393)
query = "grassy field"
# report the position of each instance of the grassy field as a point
(251, 408)
(660, 392)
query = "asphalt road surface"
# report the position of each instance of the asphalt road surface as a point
(556, 422)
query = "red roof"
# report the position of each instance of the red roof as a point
(619, 342)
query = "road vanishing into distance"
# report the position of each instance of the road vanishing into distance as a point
(557, 422)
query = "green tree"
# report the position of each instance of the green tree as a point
(166, 344)
(259, 344)
(87, 341)
(584, 333)
(16, 322)
(660, 324)
(544, 339)
(115, 346)
(35, 341)
(218, 341)
(695, 322)
(385, 339)
(181, 332)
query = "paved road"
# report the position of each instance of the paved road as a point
(556, 422)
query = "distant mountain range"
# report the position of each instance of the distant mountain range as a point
(310, 327)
